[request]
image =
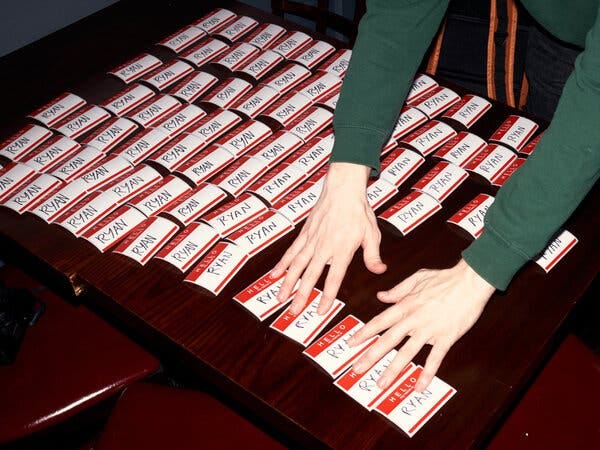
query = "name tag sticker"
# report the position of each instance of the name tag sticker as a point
(332, 351)
(380, 191)
(319, 86)
(291, 42)
(108, 170)
(87, 212)
(330, 100)
(194, 86)
(409, 120)
(338, 63)
(182, 39)
(299, 203)
(160, 196)
(128, 99)
(136, 68)
(411, 211)
(218, 267)
(468, 111)
(227, 92)
(108, 136)
(436, 101)
(130, 185)
(260, 298)
(215, 20)
(313, 54)
(471, 216)
(277, 183)
(82, 121)
(443, 179)
(265, 35)
(288, 108)
(51, 153)
(556, 251)
(504, 176)
(311, 123)
(515, 132)
(167, 75)
(177, 152)
(181, 120)
(50, 207)
(78, 164)
(12, 177)
(287, 78)
(57, 109)
(261, 232)
(307, 324)
(237, 56)
(21, 143)
(256, 101)
(188, 246)
(530, 147)
(205, 164)
(236, 29)
(114, 228)
(262, 64)
(312, 156)
(429, 137)
(245, 137)
(215, 125)
(422, 84)
(491, 161)
(195, 203)
(143, 145)
(204, 52)
(154, 111)
(147, 239)
(399, 165)
(460, 149)
(277, 147)
(235, 214)
(31, 192)
(240, 175)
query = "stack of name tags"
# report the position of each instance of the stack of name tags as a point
(205, 160)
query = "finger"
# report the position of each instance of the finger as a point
(309, 279)
(293, 274)
(402, 289)
(380, 348)
(289, 255)
(404, 356)
(434, 360)
(336, 274)
(383, 321)
(371, 255)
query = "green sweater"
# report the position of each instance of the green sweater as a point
(393, 37)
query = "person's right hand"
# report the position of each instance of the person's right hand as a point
(340, 223)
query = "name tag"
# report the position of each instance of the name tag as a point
(332, 351)
(146, 239)
(240, 27)
(215, 125)
(319, 86)
(113, 228)
(260, 298)
(443, 179)
(178, 151)
(311, 123)
(130, 185)
(51, 154)
(167, 75)
(105, 172)
(182, 39)
(136, 68)
(237, 56)
(338, 63)
(460, 149)
(410, 410)
(313, 155)
(51, 206)
(379, 191)
(188, 246)
(59, 108)
(235, 214)
(556, 251)
(491, 161)
(469, 110)
(288, 108)
(277, 147)
(245, 137)
(287, 78)
(291, 42)
(296, 205)
(261, 232)
(306, 325)
(160, 196)
(411, 211)
(195, 203)
(530, 147)
(205, 164)
(277, 183)
(204, 52)
(330, 100)
(504, 176)
(261, 65)
(257, 100)
(422, 84)
(218, 267)
(127, 100)
(78, 164)
(228, 92)
(32, 191)
(82, 121)
(313, 54)
(21, 143)
(265, 35)
(515, 132)
(408, 120)
(238, 177)
(436, 101)
(181, 120)
(194, 86)
(215, 20)
(143, 145)
(429, 137)
(154, 110)
(471, 216)
(87, 212)
(399, 165)
(111, 134)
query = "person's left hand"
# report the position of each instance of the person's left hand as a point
(435, 307)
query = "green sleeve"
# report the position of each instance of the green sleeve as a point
(392, 39)
(544, 192)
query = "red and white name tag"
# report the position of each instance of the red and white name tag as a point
(288, 78)
(87, 212)
(154, 111)
(265, 35)
(235, 214)
(237, 56)
(556, 250)
(330, 100)
(195, 203)
(338, 63)
(313, 155)
(178, 151)
(240, 27)
(204, 52)
(288, 108)
(422, 84)
(260, 298)
(13, 177)
(181, 120)
(436, 101)
(277, 183)
(408, 120)
(245, 137)
(168, 74)
(143, 145)
(471, 216)
(530, 147)
(147, 239)
(183, 38)
(307, 324)
(261, 232)
(510, 170)
(59, 108)
(205, 164)
(313, 54)
(51, 206)
(218, 267)
(256, 101)
(290, 43)
(299, 203)
(161, 196)
(515, 132)
(21, 143)
(429, 137)
(238, 177)
(399, 165)
(460, 149)
(188, 246)
(78, 164)
(380, 191)
(114, 228)
(259, 66)
(491, 161)
(311, 123)
(136, 68)
(111, 134)
(82, 121)
(319, 86)
(31, 192)
(443, 179)
(409, 409)
(277, 147)
(130, 185)
(469, 110)
(215, 125)
(411, 211)
(332, 351)
(193, 86)
(228, 92)
(215, 20)
(52, 153)
(106, 171)
(128, 99)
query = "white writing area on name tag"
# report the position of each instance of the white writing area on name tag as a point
(313, 54)
(290, 43)
(288, 108)
(240, 175)
(307, 324)
(237, 29)
(471, 216)
(128, 99)
(57, 109)
(244, 138)
(379, 191)
(78, 164)
(319, 86)
(204, 52)
(261, 232)
(277, 147)
(265, 35)
(287, 78)
(436, 101)
(113, 228)
(422, 84)
(216, 124)
(408, 120)
(195, 203)
(205, 164)
(443, 179)
(218, 267)
(130, 185)
(104, 172)
(411, 211)
(503, 177)
(143, 145)
(50, 207)
(429, 137)
(556, 250)
(468, 111)
(154, 110)
(136, 68)
(182, 39)
(147, 239)
(491, 161)
(237, 56)
(24, 141)
(256, 101)
(460, 149)
(313, 155)
(277, 183)
(299, 203)
(51, 153)
(185, 249)
(399, 165)
(215, 20)
(515, 132)
(311, 123)
(168, 74)
(160, 196)
(235, 214)
(260, 65)
(82, 121)
(227, 92)
(87, 212)
(194, 86)
(260, 298)
(31, 192)
(181, 120)
(177, 151)
(111, 134)
(338, 63)
(12, 177)
(332, 351)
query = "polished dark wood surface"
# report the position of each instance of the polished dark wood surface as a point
(221, 342)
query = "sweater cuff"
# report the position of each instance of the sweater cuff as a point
(359, 146)
(493, 259)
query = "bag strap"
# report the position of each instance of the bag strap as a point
(434, 57)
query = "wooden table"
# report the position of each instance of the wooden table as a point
(218, 342)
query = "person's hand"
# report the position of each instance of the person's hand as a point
(435, 307)
(340, 222)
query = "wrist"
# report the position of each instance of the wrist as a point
(348, 176)
(474, 279)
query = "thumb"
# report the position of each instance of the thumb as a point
(402, 289)
(371, 254)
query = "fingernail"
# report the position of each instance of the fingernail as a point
(383, 382)
(359, 367)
